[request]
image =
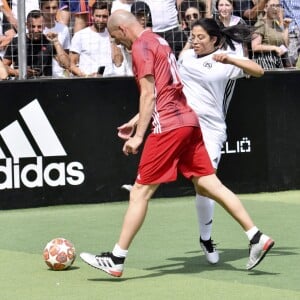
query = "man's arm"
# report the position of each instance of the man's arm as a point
(61, 56)
(8, 14)
(11, 72)
(74, 60)
(10, 58)
(255, 10)
(209, 9)
(126, 130)
(258, 46)
(147, 104)
(3, 71)
(116, 53)
(6, 38)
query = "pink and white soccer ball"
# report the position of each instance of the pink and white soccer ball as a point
(59, 254)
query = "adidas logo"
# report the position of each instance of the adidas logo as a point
(33, 137)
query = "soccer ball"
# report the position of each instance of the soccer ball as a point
(59, 254)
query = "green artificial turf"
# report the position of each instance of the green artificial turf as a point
(164, 262)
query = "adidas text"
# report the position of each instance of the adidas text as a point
(33, 175)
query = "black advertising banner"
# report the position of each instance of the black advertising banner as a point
(263, 134)
(59, 144)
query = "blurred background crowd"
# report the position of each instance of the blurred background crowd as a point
(66, 39)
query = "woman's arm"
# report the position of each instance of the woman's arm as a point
(257, 46)
(250, 67)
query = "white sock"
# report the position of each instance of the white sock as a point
(119, 252)
(205, 212)
(251, 232)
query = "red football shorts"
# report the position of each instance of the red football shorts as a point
(165, 154)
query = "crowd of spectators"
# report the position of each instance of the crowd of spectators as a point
(70, 38)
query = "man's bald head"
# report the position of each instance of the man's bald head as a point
(119, 18)
(124, 28)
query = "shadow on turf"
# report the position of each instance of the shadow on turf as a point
(72, 268)
(197, 264)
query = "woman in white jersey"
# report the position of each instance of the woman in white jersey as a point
(208, 71)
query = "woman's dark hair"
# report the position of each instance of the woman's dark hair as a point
(200, 5)
(240, 33)
(230, 1)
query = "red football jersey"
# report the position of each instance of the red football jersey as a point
(151, 55)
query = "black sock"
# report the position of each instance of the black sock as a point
(256, 237)
(117, 260)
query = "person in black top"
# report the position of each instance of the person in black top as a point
(40, 49)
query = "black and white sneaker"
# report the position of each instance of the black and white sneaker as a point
(106, 262)
(210, 251)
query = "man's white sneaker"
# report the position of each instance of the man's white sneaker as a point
(210, 251)
(106, 262)
(258, 251)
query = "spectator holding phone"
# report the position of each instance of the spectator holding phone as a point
(92, 47)
(271, 38)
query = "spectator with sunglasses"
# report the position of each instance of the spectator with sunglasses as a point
(189, 13)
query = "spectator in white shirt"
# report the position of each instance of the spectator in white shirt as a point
(121, 4)
(92, 51)
(29, 6)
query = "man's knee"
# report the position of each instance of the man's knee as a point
(142, 191)
(207, 185)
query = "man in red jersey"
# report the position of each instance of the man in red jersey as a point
(175, 144)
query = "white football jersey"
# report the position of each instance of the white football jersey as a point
(208, 87)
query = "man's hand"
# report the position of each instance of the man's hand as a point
(132, 144)
(52, 37)
(125, 131)
(33, 72)
(286, 22)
